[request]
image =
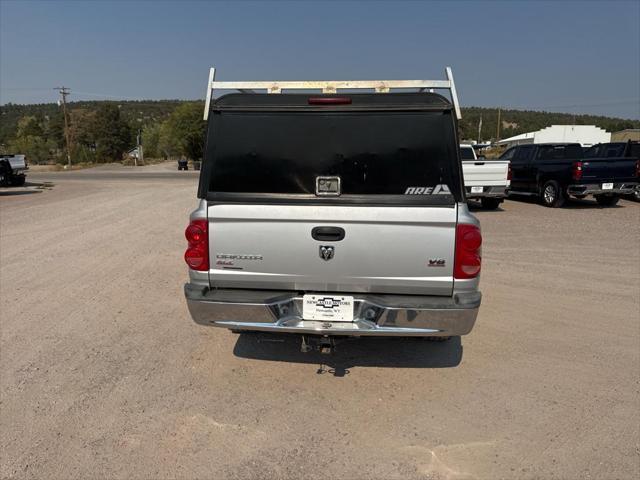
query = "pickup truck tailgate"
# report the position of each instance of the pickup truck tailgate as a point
(618, 169)
(392, 249)
(485, 172)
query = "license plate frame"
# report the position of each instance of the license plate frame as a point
(477, 189)
(327, 308)
(607, 186)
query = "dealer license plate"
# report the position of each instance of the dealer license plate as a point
(607, 186)
(476, 189)
(330, 308)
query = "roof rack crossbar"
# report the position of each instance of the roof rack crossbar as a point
(332, 86)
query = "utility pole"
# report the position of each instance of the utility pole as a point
(135, 157)
(498, 129)
(140, 154)
(480, 129)
(64, 91)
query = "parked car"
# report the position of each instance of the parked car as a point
(629, 149)
(554, 171)
(13, 170)
(183, 164)
(333, 215)
(484, 180)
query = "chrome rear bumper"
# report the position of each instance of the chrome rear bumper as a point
(374, 315)
(596, 189)
(492, 192)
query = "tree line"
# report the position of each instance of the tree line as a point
(516, 122)
(102, 131)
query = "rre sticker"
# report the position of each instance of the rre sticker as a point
(437, 190)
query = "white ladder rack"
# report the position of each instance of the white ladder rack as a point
(332, 86)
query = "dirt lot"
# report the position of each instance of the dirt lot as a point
(104, 375)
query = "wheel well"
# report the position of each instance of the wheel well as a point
(5, 168)
(544, 179)
(541, 181)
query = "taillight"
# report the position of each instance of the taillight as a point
(638, 168)
(509, 172)
(468, 251)
(576, 170)
(197, 254)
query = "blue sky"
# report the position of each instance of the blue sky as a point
(580, 57)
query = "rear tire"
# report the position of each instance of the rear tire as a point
(606, 200)
(438, 339)
(552, 195)
(5, 174)
(489, 203)
(18, 180)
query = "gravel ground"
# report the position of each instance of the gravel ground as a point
(104, 375)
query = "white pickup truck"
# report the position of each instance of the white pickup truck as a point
(486, 180)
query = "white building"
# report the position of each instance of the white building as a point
(586, 135)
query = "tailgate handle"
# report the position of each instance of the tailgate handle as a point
(327, 234)
(479, 163)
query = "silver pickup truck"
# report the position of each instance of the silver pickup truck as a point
(333, 214)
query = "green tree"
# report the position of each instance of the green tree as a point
(184, 130)
(37, 149)
(29, 126)
(112, 135)
(29, 140)
(151, 140)
(168, 141)
(55, 129)
(82, 127)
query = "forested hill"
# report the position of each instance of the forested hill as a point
(136, 113)
(515, 122)
(142, 113)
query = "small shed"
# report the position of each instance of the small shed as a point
(626, 135)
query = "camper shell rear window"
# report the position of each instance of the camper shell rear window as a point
(391, 148)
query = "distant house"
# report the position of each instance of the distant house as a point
(586, 135)
(624, 135)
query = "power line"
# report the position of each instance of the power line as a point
(22, 89)
(583, 106)
(105, 95)
(629, 101)
(76, 92)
